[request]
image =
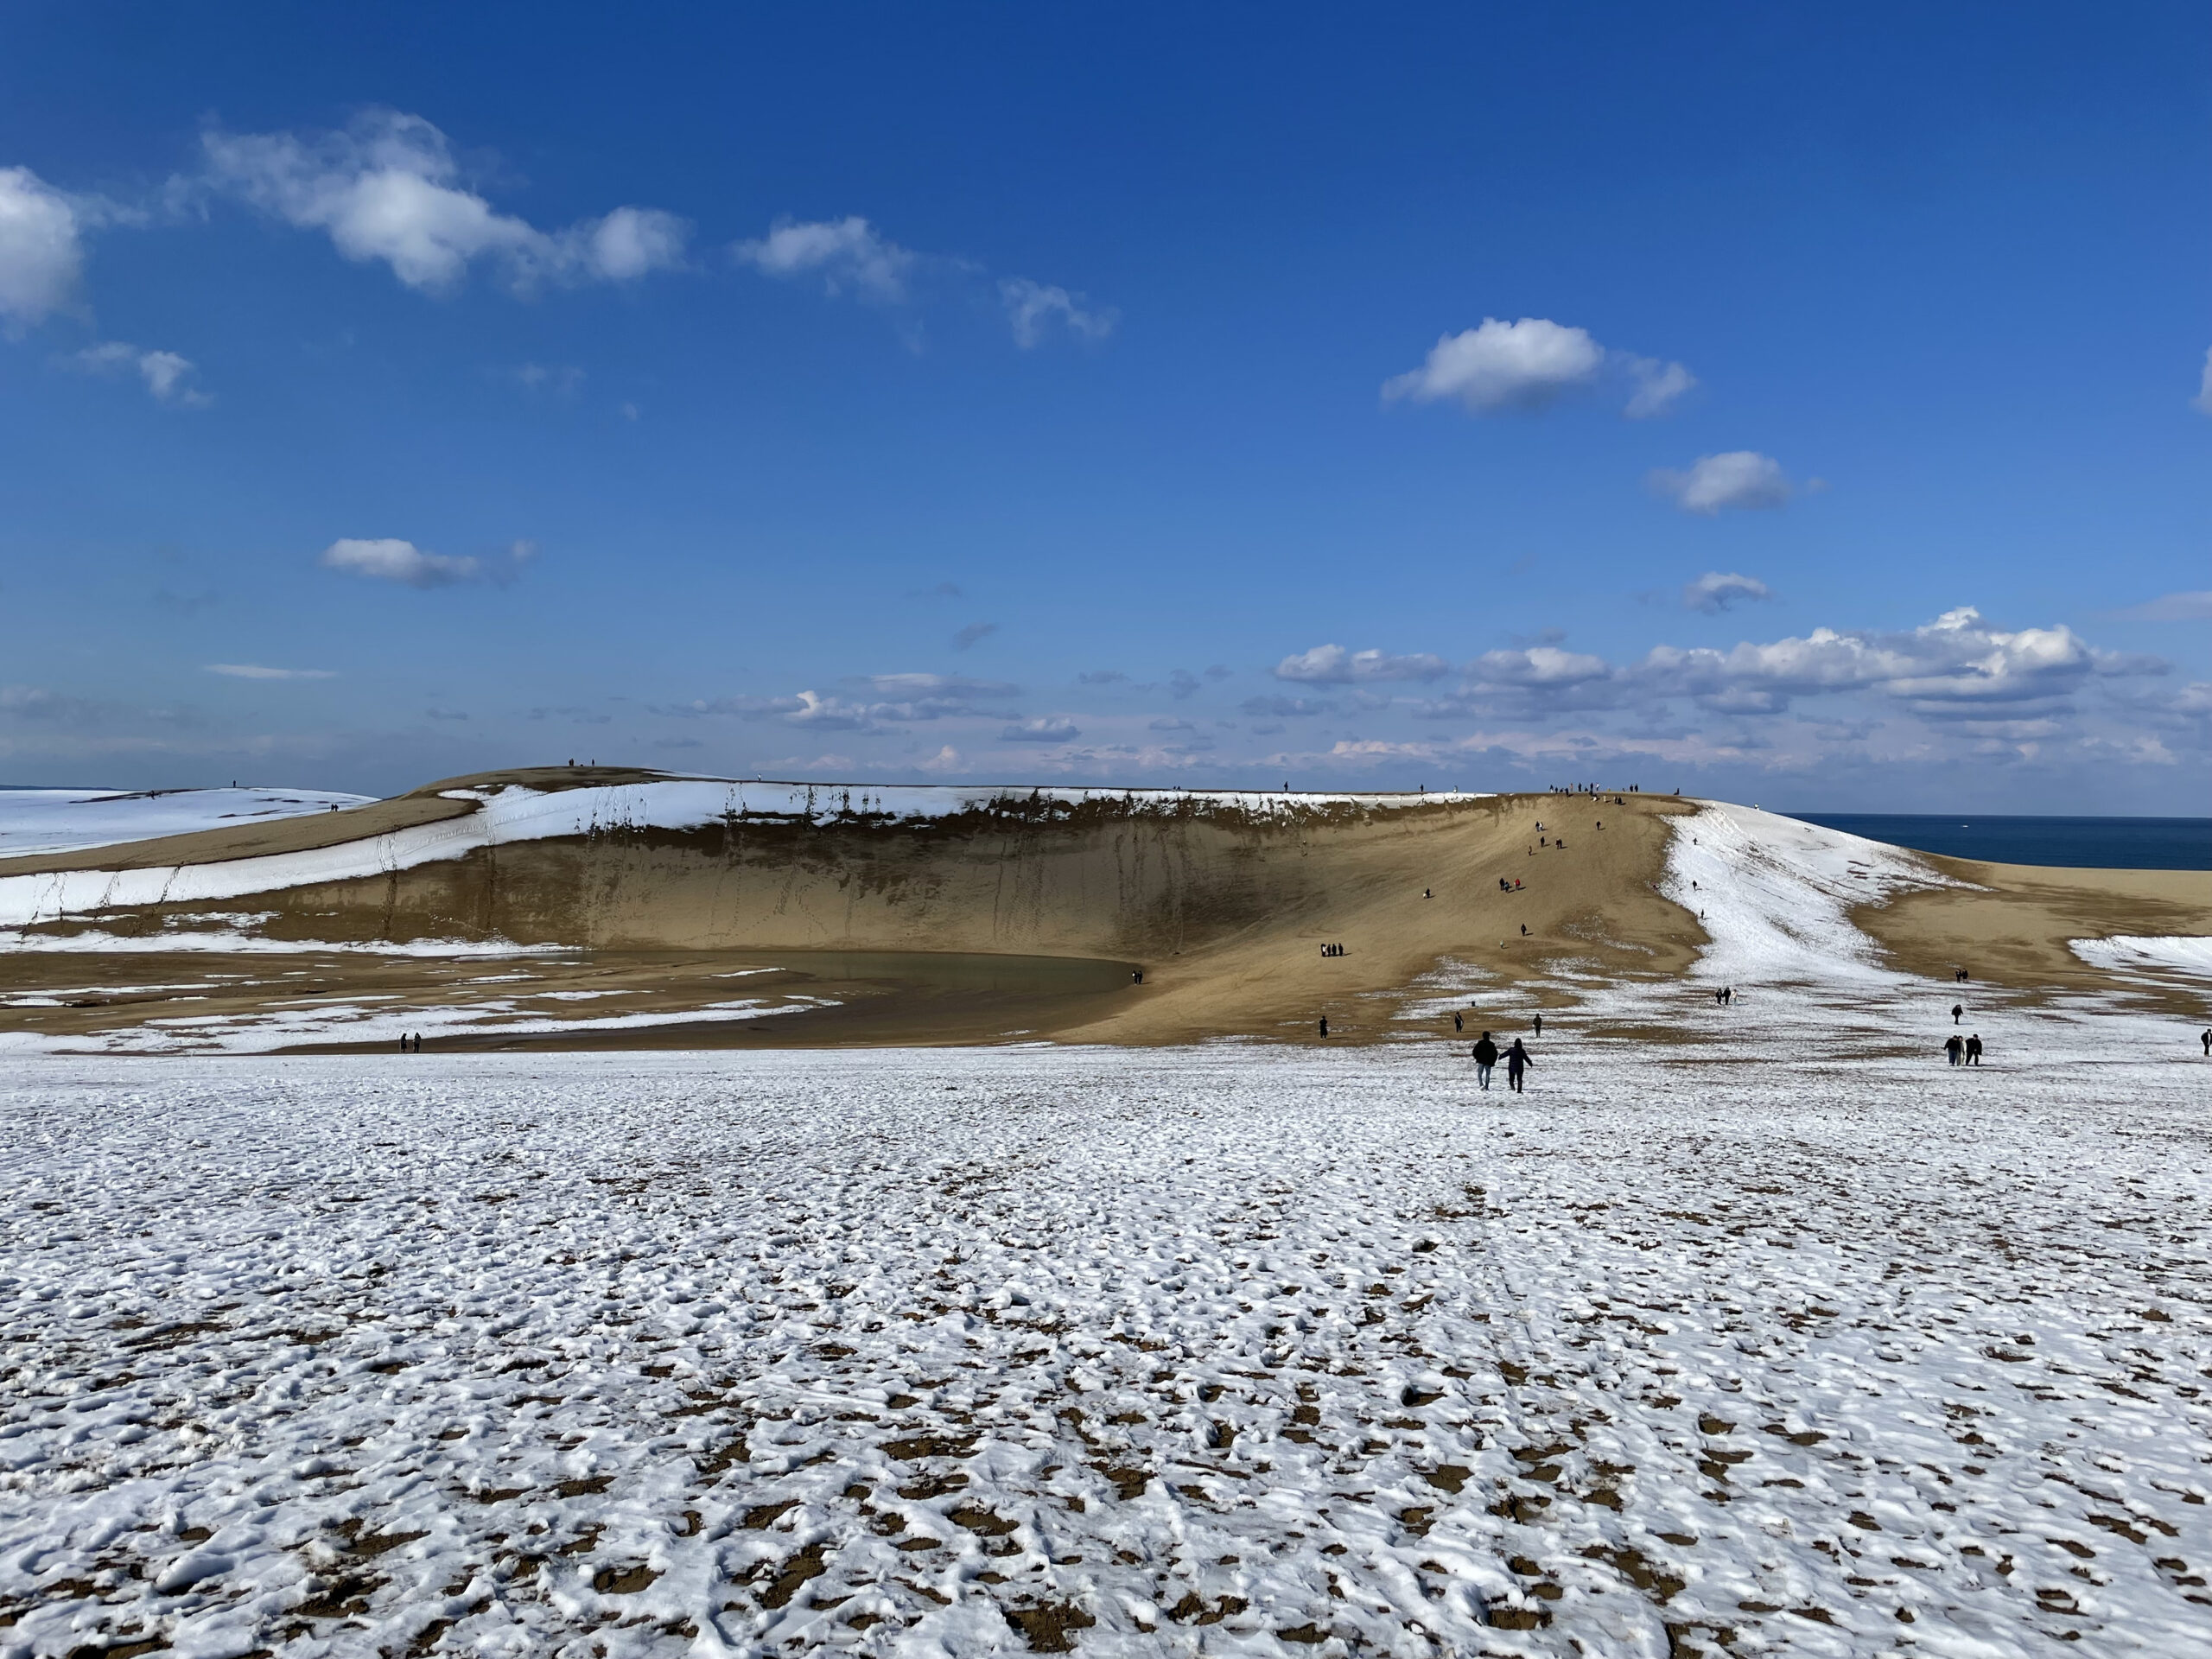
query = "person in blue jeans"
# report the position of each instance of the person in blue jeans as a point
(1485, 1058)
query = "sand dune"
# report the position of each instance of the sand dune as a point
(1224, 901)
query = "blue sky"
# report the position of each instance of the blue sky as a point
(1806, 406)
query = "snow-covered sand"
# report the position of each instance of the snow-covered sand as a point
(2125, 954)
(1213, 1350)
(66, 820)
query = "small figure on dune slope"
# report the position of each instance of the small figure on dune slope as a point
(1958, 1012)
(1486, 1055)
(1458, 1024)
(2207, 1045)
(1516, 1062)
(1539, 1025)
(1974, 1049)
(1955, 1047)
(1325, 1024)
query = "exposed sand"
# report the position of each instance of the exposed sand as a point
(1225, 910)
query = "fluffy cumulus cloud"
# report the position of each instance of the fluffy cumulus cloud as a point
(389, 559)
(1956, 668)
(1334, 665)
(1528, 365)
(42, 249)
(1717, 590)
(848, 254)
(389, 188)
(1031, 308)
(169, 377)
(1737, 478)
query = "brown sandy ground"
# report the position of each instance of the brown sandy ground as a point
(2012, 925)
(1226, 912)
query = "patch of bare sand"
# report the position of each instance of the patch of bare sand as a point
(2012, 927)
(1226, 912)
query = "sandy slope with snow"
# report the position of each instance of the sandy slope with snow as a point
(1222, 1352)
(71, 820)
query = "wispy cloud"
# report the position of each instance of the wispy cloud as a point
(1737, 478)
(973, 634)
(2172, 607)
(255, 671)
(2203, 400)
(848, 254)
(168, 376)
(1716, 590)
(1031, 309)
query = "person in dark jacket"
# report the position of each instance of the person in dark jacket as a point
(1458, 1024)
(1325, 1024)
(1516, 1062)
(1955, 1046)
(1485, 1052)
(1974, 1049)
(1958, 1012)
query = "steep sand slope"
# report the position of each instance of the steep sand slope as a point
(652, 883)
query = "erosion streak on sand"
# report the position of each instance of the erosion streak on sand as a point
(1166, 1351)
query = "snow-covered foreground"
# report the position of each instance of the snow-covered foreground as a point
(1225, 1350)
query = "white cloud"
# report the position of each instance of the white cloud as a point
(1334, 665)
(1536, 665)
(42, 252)
(1529, 364)
(1286, 708)
(945, 761)
(1954, 668)
(1030, 306)
(1041, 730)
(1657, 386)
(2203, 400)
(255, 671)
(387, 189)
(389, 559)
(166, 374)
(1503, 365)
(1737, 478)
(846, 252)
(1716, 590)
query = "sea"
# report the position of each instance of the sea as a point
(2075, 843)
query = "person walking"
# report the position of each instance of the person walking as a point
(1958, 1012)
(1539, 1025)
(1458, 1024)
(2207, 1045)
(1974, 1049)
(1955, 1048)
(1485, 1052)
(1516, 1062)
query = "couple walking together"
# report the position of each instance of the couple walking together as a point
(1516, 1062)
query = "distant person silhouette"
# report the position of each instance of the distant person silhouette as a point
(1524, 930)
(1539, 1025)
(1958, 1012)
(1485, 1053)
(1974, 1049)
(2207, 1045)
(1516, 1062)
(1325, 1024)
(1457, 1024)
(1955, 1048)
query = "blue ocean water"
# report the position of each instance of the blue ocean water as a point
(2078, 843)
